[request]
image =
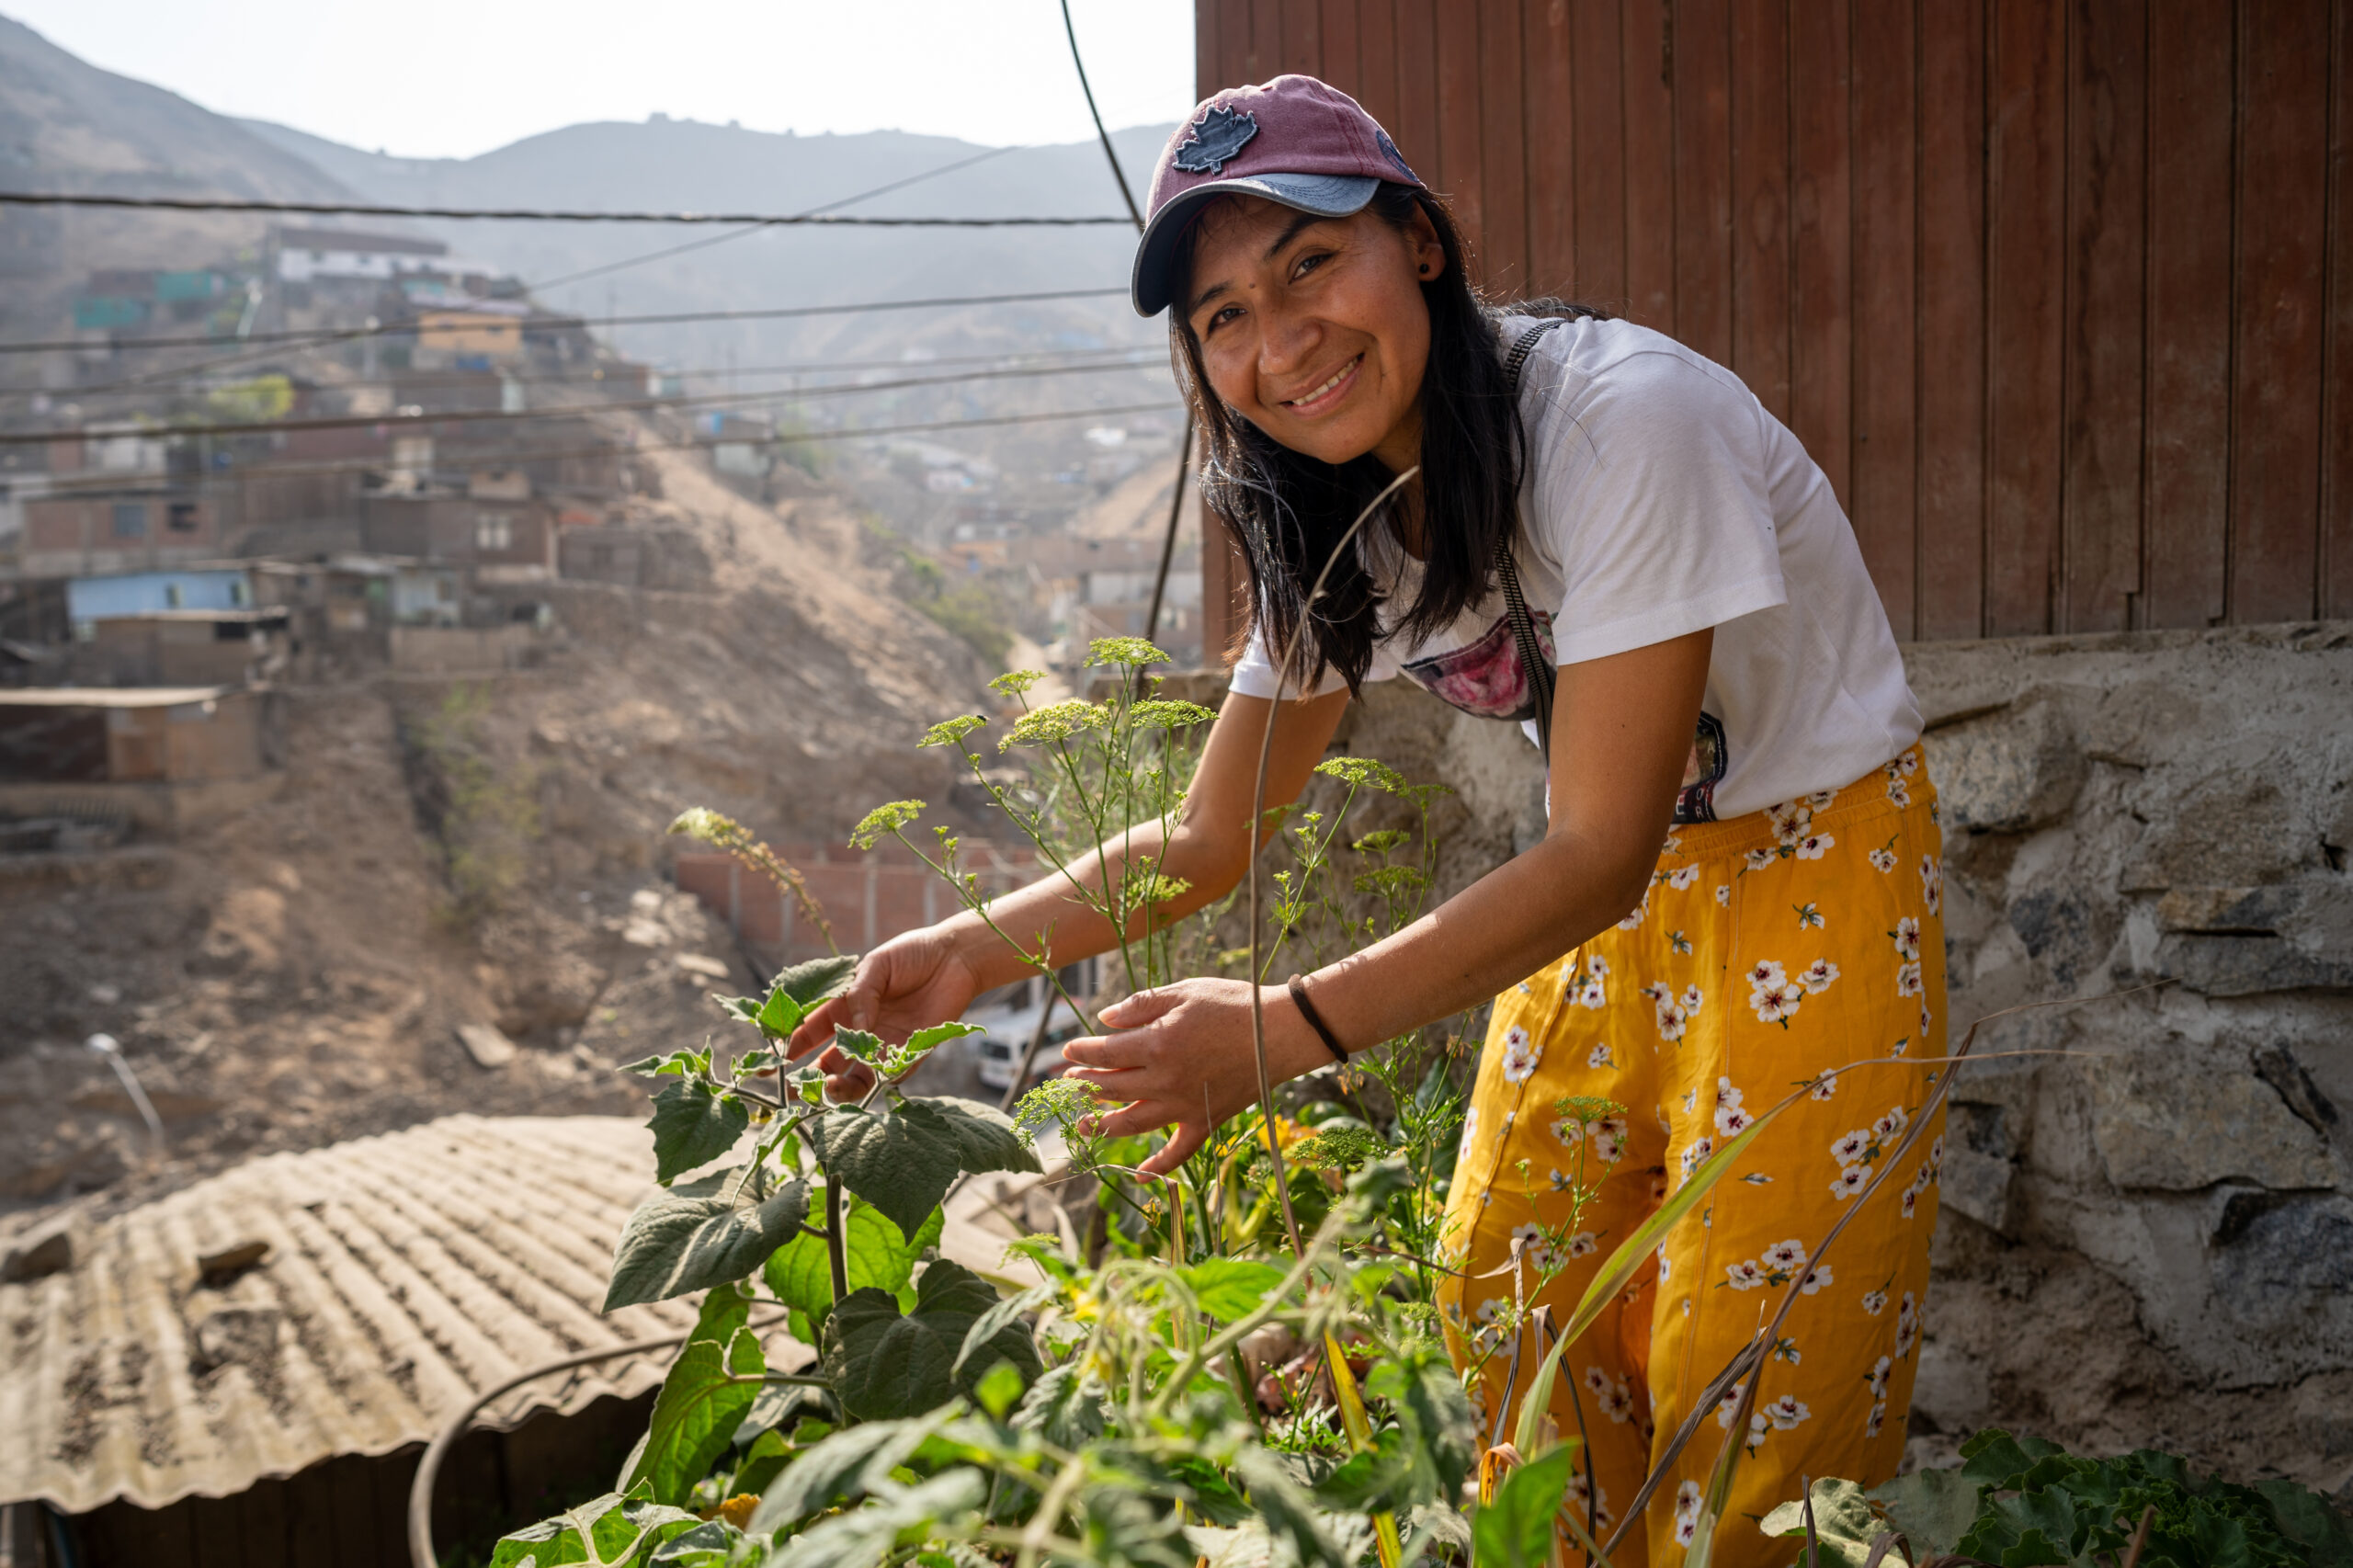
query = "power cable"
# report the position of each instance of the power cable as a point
(130, 483)
(475, 378)
(755, 228)
(503, 416)
(561, 322)
(534, 215)
(1185, 444)
(1135, 214)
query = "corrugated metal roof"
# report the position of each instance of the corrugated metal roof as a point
(406, 1272)
(109, 696)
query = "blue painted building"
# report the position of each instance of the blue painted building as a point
(138, 593)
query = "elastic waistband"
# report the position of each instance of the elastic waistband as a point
(1893, 786)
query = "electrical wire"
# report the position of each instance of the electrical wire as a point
(1135, 214)
(535, 215)
(808, 367)
(504, 416)
(755, 228)
(1185, 442)
(564, 322)
(143, 485)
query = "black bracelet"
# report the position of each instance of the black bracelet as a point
(1298, 989)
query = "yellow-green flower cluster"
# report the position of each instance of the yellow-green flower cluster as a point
(1057, 1102)
(1130, 650)
(1168, 713)
(952, 732)
(1056, 721)
(1337, 1149)
(1013, 683)
(1363, 770)
(1390, 881)
(882, 820)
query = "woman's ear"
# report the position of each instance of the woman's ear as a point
(1421, 240)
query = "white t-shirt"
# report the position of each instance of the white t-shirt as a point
(1661, 498)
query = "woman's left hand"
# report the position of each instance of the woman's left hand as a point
(1182, 1055)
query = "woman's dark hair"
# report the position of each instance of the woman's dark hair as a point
(1289, 510)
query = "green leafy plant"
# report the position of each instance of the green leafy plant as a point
(483, 815)
(1188, 1382)
(2023, 1502)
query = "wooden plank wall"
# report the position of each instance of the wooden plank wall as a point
(352, 1510)
(2058, 293)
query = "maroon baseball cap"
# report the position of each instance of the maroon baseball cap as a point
(1294, 140)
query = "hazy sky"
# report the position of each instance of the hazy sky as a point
(441, 78)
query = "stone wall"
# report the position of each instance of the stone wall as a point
(2147, 1237)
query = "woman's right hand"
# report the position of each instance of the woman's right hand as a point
(915, 980)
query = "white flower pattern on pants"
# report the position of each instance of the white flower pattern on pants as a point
(1635, 1016)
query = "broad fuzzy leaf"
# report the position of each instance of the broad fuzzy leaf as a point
(903, 1160)
(1995, 1458)
(884, 1364)
(1380, 1477)
(861, 1044)
(1934, 1508)
(877, 1252)
(620, 1526)
(999, 1389)
(900, 1517)
(675, 1064)
(819, 979)
(1232, 1288)
(1288, 1512)
(763, 1461)
(696, 1415)
(701, 1233)
(901, 1059)
(990, 1323)
(842, 1469)
(1515, 1530)
(712, 1545)
(1066, 1407)
(2304, 1518)
(779, 1015)
(1119, 1526)
(693, 1127)
(782, 1407)
(2031, 1529)
(1429, 1404)
(938, 1035)
(1843, 1523)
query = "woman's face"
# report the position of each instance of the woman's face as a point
(1314, 329)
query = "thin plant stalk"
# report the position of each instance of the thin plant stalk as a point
(1257, 816)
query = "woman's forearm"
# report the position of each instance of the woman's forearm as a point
(1502, 928)
(1621, 732)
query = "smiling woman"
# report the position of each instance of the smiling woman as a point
(1603, 537)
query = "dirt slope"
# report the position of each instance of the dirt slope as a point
(293, 975)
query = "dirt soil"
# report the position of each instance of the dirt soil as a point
(294, 975)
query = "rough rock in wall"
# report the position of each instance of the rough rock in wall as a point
(2148, 1231)
(2148, 1236)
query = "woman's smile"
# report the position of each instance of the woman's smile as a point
(1322, 398)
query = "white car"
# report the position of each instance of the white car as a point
(1010, 1029)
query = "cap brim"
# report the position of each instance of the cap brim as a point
(1326, 196)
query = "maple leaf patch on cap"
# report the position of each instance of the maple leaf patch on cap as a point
(1219, 133)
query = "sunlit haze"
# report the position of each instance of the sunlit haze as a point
(437, 78)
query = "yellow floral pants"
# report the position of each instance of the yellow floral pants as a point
(1768, 951)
